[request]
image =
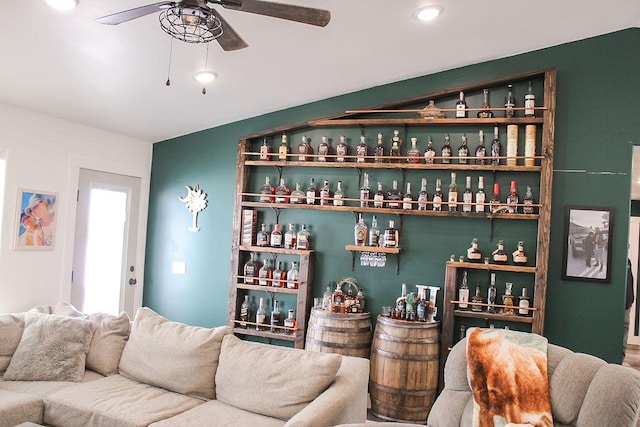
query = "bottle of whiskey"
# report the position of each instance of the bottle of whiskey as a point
(524, 302)
(297, 195)
(509, 103)
(244, 312)
(512, 145)
(337, 299)
(325, 193)
(360, 231)
(265, 150)
(423, 196)
(463, 151)
(326, 298)
(394, 196)
(429, 153)
(342, 149)
(438, 196)
(362, 150)
(486, 112)
(507, 299)
(519, 256)
(290, 237)
(267, 191)
(481, 197)
(463, 293)
(283, 149)
(477, 299)
(303, 239)
(324, 150)
(530, 145)
(265, 274)
(290, 323)
(364, 192)
(304, 150)
(401, 301)
(262, 237)
(378, 151)
(338, 195)
(279, 276)
(275, 240)
(467, 197)
(496, 147)
(452, 200)
(461, 107)
(261, 316)
(293, 276)
(275, 317)
(374, 233)
(391, 237)
(499, 256)
(413, 154)
(492, 293)
(251, 270)
(494, 204)
(407, 199)
(473, 253)
(481, 150)
(378, 198)
(528, 202)
(396, 144)
(422, 305)
(529, 102)
(312, 192)
(282, 192)
(513, 199)
(445, 152)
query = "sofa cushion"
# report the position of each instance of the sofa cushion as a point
(11, 328)
(172, 355)
(17, 408)
(45, 388)
(109, 337)
(52, 348)
(273, 381)
(113, 401)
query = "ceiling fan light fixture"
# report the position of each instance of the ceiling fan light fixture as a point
(190, 24)
(205, 76)
(63, 4)
(427, 13)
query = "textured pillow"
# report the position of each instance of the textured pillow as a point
(52, 348)
(109, 337)
(172, 355)
(287, 379)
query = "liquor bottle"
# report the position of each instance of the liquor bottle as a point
(251, 270)
(325, 193)
(374, 233)
(378, 151)
(477, 299)
(364, 192)
(265, 274)
(413, 154)
(265, 150)
(463, 293)
(261, 316)
(283, 149)
(429, 153)
(445, 152)
(360, 304)
(422, 305)
(267, 191)
(463, 151)
(342, 149)
(293, 276)
(262, 237)
(303, 239)
(324, 150)
(401, 301)
(485, 113)
(304, 150)
(282, 192)
(391, 236)
(496, 147)
(507, 299)
(519, 256)
(290, 237)
(524, 302)
(290, 323)
(407, 199)
(244, 312)
(338, 195)
(509, 103)
(494, 204)
(394, 196)
(492, 293)
(312, 192)
(396, 144)
(481, 150)
(512, 145)
(360, 231)
(461, 107)
(275, 316)
(337, 299)
(473, 253)
(529, 102)
(513, 199)
(467, 197)
(279, 276)
(275, 240)
(499, 256)
(528, 202)
(423, 196)
(362, 150)
(378, 197)
(452, 200)
(326, 298)
(297, 195)
(530, 145)
(438, 196)
(481, 197)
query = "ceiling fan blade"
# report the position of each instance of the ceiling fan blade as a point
(229, 40)
(128, 15)
(305, 15)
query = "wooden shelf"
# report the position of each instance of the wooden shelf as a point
(269, 249)
(491, 267)
(493, 316)
(267, 288)
(358, 248)
(422, 122)
(265, 334)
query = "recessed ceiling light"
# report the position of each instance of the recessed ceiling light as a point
(205, 76)
(63, 4)
(427, 13)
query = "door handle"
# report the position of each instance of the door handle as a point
(132, 281)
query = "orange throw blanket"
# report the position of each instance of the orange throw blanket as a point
(508, 376)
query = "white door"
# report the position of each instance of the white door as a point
(634, 252)
(104, 254)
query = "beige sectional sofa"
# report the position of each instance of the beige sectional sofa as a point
(64, 368)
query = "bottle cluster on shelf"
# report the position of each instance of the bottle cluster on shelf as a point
(290, 239)
(260, 320)
(414, 307)
(498, 256)
(351, 300)
(264, 274)
(510, 109)
(509, 304)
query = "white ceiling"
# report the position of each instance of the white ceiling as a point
(113, 77)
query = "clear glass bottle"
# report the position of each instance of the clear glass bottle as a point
(338, 195)
(283, 149)
(396, 145)
(499, 256)
(337, 299)
(362, 150)
(463, 151)
(279, 276)
(509, 103)
(326, 298)
(391, 236)
(486, 112)
(496, 147)
(265, 274)
(481, 150)
(477, 299)
(467, 197)
(282, 192)
(495, 205)
(290, 323)
(325, 193)
(360, 231)
(378, 197)
(265, 150)
(461, 107)
(438, 196)
(507, 299)
(290, 237)
(413, 154)
(251, 270)
(445, 152)
(452, 200)
(275, 316)
(519, 256)
(492, 293)
(394, 196)
(401, 301)
(324, 150)
(378, 151)
(365, 192)
(275, 240)
(407, 199)
(267, 191)
(312, 192)
(513, 199)
(303, 239)
(528, 202)
(297, 196)
(342, 149)
(261, 316)
(374, 233)
(524, 302)
(263, 237)
(463, 293)
(423, 196)
(305, 151)
(481, 196)
(422, 305)
(473, 253)
(429, 153)
(244, 312)
(293, 276)
(530, 102)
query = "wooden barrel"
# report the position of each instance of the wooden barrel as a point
(404, 369)
(346, 334)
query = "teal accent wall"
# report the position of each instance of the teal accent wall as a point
(596, 125)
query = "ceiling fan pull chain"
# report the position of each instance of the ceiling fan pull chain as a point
(169, 70)
(206, 67)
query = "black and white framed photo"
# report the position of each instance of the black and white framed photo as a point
(587, 237)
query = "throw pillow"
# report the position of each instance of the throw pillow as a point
(109, 337)
(11, 327)
(273, 381)
(52, 348)
(172, 355)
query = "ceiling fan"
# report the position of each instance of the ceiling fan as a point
(195, 21)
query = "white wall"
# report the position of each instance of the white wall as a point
(45, 153)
